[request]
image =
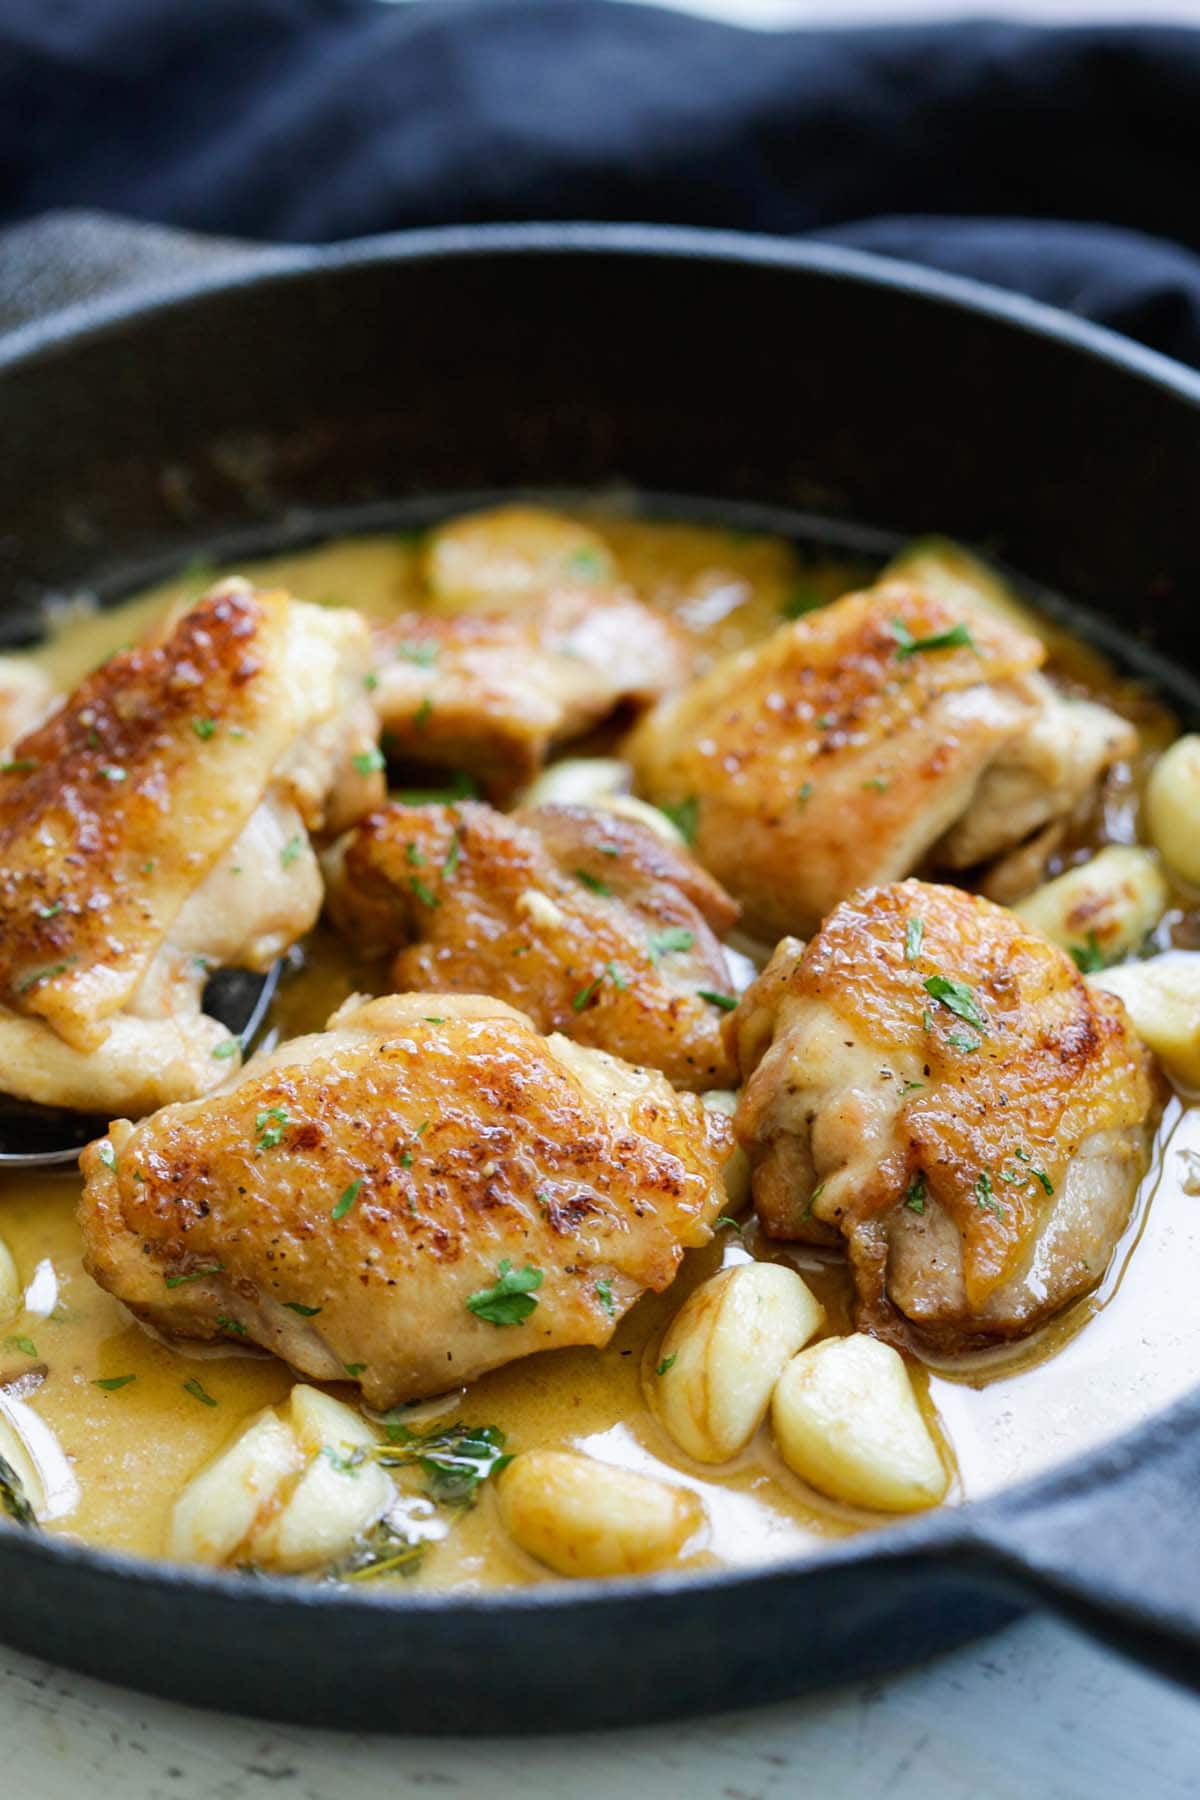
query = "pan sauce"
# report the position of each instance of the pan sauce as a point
(1003, 1415)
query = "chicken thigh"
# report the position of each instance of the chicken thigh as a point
(156, 827)
(889, 728)
(936, 1084)
(424, 1191)
(587, 921)
(492, 694)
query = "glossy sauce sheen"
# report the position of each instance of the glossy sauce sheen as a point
(1006, 1413)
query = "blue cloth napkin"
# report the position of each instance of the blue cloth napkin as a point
(1063, 162)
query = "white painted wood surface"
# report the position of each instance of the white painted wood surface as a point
(1033, 1714)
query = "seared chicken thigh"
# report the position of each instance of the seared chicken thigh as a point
(936, 1084)
(492, 695)
(587, 921)
(422, 1192)
(886, 729)
(155, 827)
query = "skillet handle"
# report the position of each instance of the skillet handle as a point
(1113, 1543)
(70, 258)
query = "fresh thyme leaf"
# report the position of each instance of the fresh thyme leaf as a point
(110, 1383)
(958, 998)
(291, 850)
(667, 1364)
(345, 1465)
(510, 1301)
(368, 762)
(592, 882)
(1041, 1175)
(663, 943)
(346, 1201)
(1088, 956)
(306, 1312)
(914, 932)
(270, 1125)
(958, 637)
(381, 1551)
(914, 1199)
(685, 816)
(726, 1002)
(13, 1498)
(174, 1281)
(194, 1388)
(454, 1459)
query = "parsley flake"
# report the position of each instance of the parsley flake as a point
(174, 1281)
(204, 728)
(664, 943)
(110, 1383)
(369, 762)
(423, 891)
(291, 850)
(914, 1199)
(726, 1002)
(423, 654)
(914, 932)
(958, 998)
(958, 637)
(511, 1300)
(194, 1388)
(305, 1312)
(230, 1047)
(604, 1295)
(270, 1125)
(25, 1345)
(667, 1364)
(984, 1195)
(1088, 956)
(592, 882)
(685, 816)
(346, 1200)
(107, 1154)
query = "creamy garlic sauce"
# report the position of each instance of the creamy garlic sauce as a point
(1124, 1352)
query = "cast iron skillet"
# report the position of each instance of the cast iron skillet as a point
(239, 399)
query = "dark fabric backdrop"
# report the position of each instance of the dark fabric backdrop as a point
(1063, 162)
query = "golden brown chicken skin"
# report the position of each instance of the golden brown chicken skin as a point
(493, 694)
(589, 922)
(350, 1198)
(936, 1084)
(156, 826)
(887, 728)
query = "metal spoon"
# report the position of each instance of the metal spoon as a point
(47, 1137)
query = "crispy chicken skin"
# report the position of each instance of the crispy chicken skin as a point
(347, 1195)
(588, 922)
(847, 749)
(155, 826)
(493, 694)
(977, 1144)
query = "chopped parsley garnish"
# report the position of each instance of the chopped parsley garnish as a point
(423, 714)
(510, 1300)
(984, 1196)
(18, 765)
(369, 762)
(345, 1465)
(880, 783)
(958, 637)
(617, 975)
(604, 1295)
(225, 1323)
(667, 1364)
(581, 999)
(194, 1388)
(805, 794)
(733, 1224)
(434, 1019)
(13, 1498)
(414, 857)
(305, 1312)
(914, 933)
(49, 974)
(812, 1200)
(353, 1369)
(453, 857)
(50, 912)
(346, 1200)
(1088, 956)
(174, 1281)
(961, 1040)
(371, 681)
(592, 882)
(423, 891)
(110, 1383)
(291, 850)
(958, 998)
(204, 728)
(107, 1154)
(910, 1087)
(423, 654)
(726, 1002)
(25, 1345)
(664, 943)
(406, 1161)
(111, 772)
(229, 1048)
(685, 816)
(586, 563)
(914, 1199)
(270, 1125)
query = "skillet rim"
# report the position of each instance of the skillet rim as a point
(972, 1530)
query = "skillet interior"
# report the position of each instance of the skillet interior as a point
(320, 392)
